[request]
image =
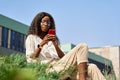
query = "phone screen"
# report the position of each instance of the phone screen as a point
(51, 31)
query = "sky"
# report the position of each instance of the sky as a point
(95, 22)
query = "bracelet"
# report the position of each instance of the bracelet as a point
(39, 46)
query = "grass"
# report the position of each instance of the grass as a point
(15, 67)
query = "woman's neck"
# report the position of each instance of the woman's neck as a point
(42, 35)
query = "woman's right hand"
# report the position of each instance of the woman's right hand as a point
(48, 37)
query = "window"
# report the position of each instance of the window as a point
(17, 41)
(0, 35)
(21, 42)
(12, 40)
(4, 37)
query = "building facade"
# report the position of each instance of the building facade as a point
(112, 53)
(12, 35)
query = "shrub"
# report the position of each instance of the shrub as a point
(15, 67)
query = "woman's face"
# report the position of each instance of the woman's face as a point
(45, 24)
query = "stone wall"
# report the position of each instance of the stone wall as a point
(8, 51)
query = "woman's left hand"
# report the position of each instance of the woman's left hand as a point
(53, 38)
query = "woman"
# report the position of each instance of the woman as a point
(40, 44)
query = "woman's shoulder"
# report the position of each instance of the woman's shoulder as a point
(31, 36)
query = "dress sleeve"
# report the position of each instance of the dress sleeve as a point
(30, 45)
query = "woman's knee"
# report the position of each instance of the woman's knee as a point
(83, 45)
(91, 69)
(92, 66)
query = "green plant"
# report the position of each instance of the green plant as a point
(15, 67)
(110, 76)
(12, 66)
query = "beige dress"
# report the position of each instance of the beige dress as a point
(48, 54)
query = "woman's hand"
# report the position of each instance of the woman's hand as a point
(48, 37)
(51, 37)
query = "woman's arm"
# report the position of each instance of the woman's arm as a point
(36, 52)
(31, 51)
(59, 51)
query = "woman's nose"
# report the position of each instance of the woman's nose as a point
(46, 23)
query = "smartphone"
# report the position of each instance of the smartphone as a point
(52, 31)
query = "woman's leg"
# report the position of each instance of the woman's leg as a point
(95, 73)
(82, 62)
(82, 70)
(78, 57)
